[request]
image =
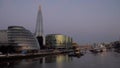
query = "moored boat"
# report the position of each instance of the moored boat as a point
(98, 48)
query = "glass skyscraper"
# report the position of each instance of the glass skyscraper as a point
(39, 29)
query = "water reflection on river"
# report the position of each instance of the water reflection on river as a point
(89, 60)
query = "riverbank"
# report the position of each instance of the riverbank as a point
(32, 55)
(108, 59)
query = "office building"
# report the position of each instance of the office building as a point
(3, 36)
(58, 41)
(20, 39)
(23, 38)
(39, 29)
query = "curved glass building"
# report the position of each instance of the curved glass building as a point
(58, 41)
(22, 38)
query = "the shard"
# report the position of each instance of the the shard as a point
(39, 29)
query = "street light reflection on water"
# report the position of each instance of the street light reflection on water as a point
(89, 60)
(58, 59)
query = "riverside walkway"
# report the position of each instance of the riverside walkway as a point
(31, 55)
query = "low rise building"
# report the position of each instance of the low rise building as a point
(19, 39)
(3, 36)
(58, 41)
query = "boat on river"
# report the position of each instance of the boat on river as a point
(76, 53)
(98, 48)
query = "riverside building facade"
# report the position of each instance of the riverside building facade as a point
(58, 41)
(24, 39)
(21, 39)
(3, 36)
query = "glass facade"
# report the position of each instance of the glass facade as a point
(23, 38)
(58, 41)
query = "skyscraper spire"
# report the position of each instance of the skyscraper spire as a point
(39, 23)
(39, 7)
(39, 29)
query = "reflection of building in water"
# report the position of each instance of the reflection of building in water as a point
(50, 59)
(9, 63)
(26, 63)
(63, 58)
(58, 58)
(58, 41)
(41, 60)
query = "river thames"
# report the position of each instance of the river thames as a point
(89, 60)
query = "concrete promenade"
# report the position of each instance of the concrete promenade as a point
(32, 55)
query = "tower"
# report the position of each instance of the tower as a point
(39, 29)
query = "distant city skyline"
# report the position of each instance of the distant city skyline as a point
(86, 21)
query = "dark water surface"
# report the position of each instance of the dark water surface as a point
(89, 60)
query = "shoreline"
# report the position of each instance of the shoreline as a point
(31, 55)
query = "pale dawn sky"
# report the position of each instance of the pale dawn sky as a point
(86, 21)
